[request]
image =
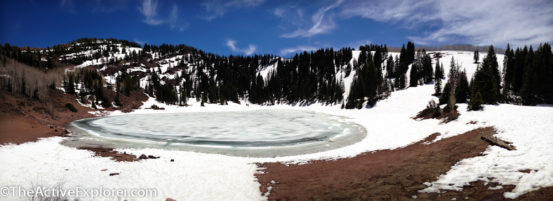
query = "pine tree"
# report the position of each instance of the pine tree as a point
(452, 81)
(462, 91)
(438, 87)
(444, 98)
(439, 72)
(427, 68)
(414, 75)
(438, 76)
(487, 78)
(476, 56)
(476, 101)
(404, 61)
(545, 63)
(508, 71)
(410, 52)
(366, 84)
(348, 70)
(389, 67)
(520, 56)
(529, 81)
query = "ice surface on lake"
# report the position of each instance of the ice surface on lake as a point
(262, 133)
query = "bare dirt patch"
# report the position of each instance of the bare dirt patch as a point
(118, 156)
(23, 119)
(383, 175)
(110, 153)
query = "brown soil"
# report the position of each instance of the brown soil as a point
(384, 175)
(114, 155)
(118, 156)
(23, 119)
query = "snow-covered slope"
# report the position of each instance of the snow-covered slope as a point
(196, 176)
(530, 130)
(170, 66)
(465, 59)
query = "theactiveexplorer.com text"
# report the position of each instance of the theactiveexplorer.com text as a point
(76, 192)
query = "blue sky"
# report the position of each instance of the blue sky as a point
(278, 27)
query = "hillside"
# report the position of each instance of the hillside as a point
(442, 157)
(182, 75)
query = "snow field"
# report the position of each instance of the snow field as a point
(389, 125)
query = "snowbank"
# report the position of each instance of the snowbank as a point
(530, 130)
(192, 176)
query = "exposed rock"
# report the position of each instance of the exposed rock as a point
(142, 156)
(172, 160)
(170, 199)
(153, 157)
(113, 173)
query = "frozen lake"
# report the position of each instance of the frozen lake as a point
(260, 133)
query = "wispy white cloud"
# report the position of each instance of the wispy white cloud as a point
(173, 20)
(300, 48)
(218, 8)
(396, 11)
(149, 10)
(247, 51)
(471, 21)
(279, 12)
(174, 13)
(291, 16)
(321, 23)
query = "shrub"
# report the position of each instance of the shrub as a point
(71, 107)
(155, 107)
(432, 110)
(447, 108)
